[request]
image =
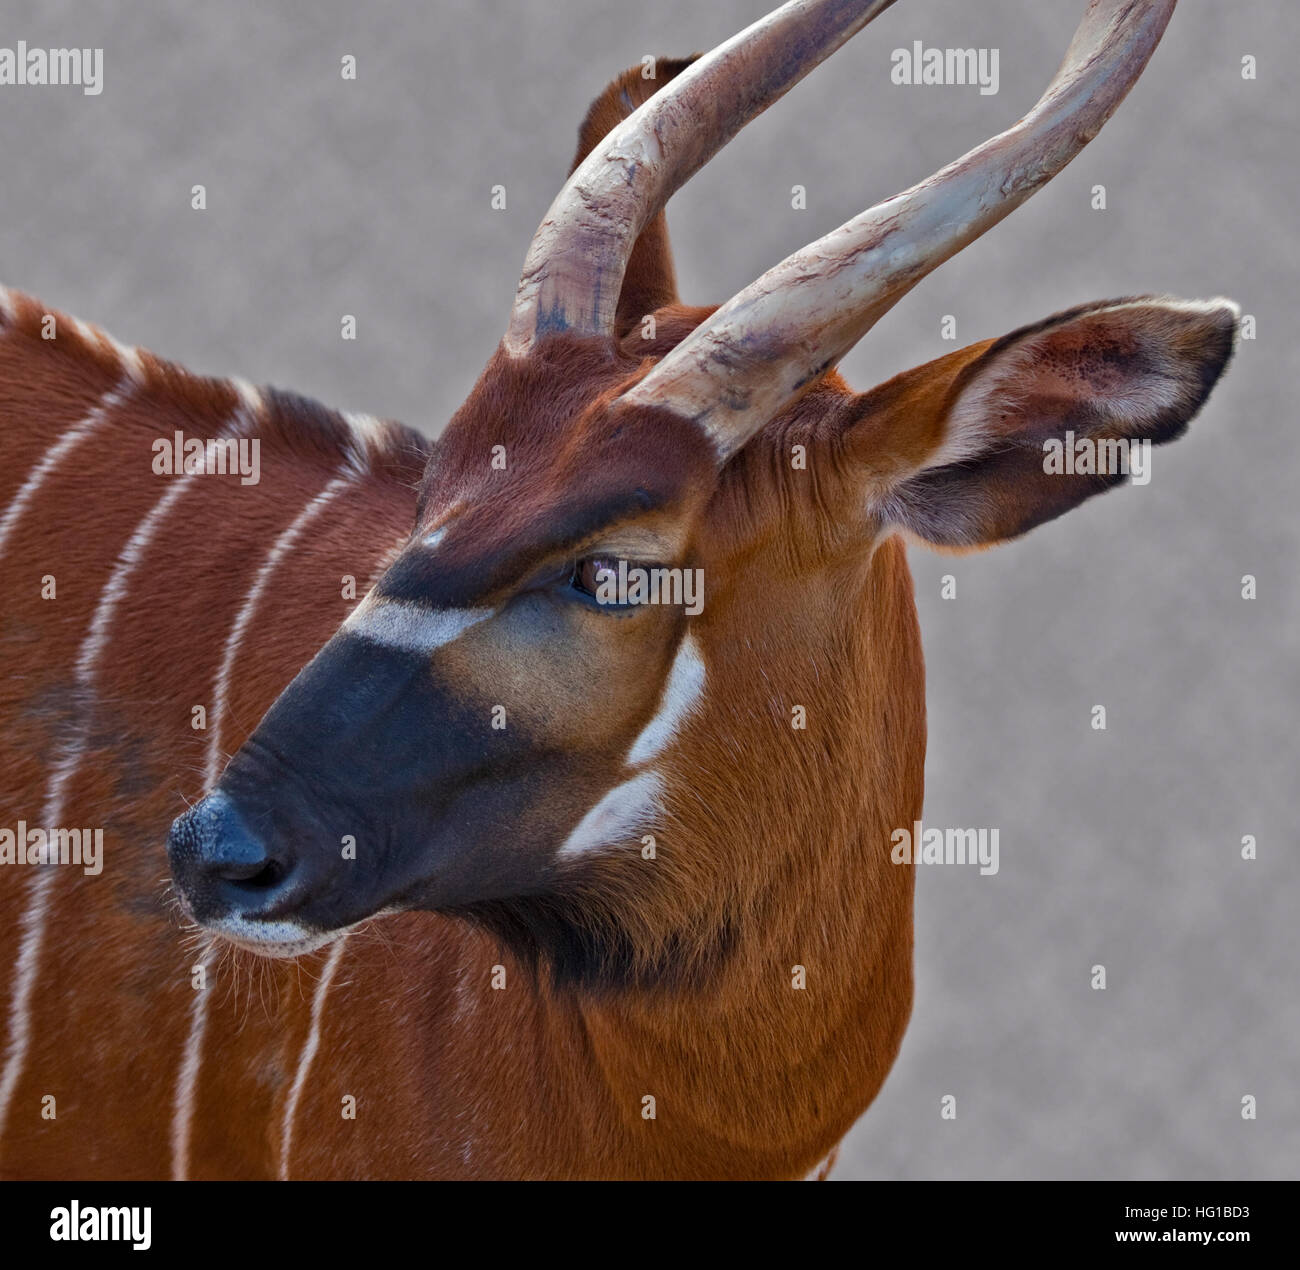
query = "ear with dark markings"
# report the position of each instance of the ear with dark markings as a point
(954, 451)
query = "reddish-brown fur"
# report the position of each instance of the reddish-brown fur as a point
(774, 854)
(117, 969)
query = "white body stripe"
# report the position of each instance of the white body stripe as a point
(112, 594)
(36, 914)
(132, 362)
(187, 1081)
(128, 357)
(367, 428)
(31, 935)
(366, 440)
(56, 454)
(251, 396)
(308, 1054)
(32, 923)
(283, 545)
(681, 694)
(411, 627)
(296, 941)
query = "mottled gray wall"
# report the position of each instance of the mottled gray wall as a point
(1120, 847)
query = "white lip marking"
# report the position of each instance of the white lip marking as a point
(622, 813)
(397, 624)
(682, 692)
(273, 939)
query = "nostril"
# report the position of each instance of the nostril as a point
(248, 877)
(219, 862)
(232, 854)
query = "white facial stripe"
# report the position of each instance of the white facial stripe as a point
(397, 624)
(627, 811)
(681, 694)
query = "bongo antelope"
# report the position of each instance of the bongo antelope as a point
(531, 876)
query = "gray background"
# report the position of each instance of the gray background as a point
(1120, 848)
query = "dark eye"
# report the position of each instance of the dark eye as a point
(588, 575)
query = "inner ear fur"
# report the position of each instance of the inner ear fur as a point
(953, 451)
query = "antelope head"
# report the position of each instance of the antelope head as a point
(503, 733)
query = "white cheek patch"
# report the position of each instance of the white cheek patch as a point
(634, 807)
(627, 811)
(682, 693)
(410, 627)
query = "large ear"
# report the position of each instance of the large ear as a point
(650, 281)
(972, 449)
